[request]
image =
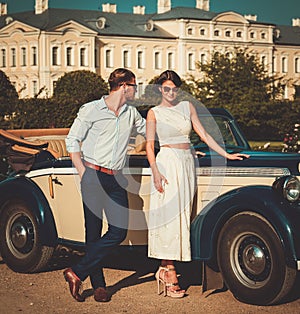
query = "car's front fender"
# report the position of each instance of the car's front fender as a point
(24, 189)
(260, 200)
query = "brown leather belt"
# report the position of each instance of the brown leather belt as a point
(99, 168)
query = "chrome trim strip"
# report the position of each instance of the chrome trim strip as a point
(243, 171)
(48, 171)
(72, 170)
(202, 171)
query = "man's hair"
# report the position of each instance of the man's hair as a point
(120, 76)
(169, 75)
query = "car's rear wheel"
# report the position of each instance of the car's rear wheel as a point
(20, 243)
(252, 261)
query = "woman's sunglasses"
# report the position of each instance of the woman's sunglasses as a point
(167, 89)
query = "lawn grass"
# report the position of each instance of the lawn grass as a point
(259, 145)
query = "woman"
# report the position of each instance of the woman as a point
(173, 173)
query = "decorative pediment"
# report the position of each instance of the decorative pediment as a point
(17, 26)
(72, 26)
(230, 17)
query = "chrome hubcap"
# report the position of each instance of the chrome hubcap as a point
(251, 260)
(21, 235)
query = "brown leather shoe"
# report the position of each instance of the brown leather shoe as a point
(100, 295)
(74, 284)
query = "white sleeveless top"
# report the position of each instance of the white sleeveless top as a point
(173, 124)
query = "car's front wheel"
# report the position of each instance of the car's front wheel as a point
(20, 243)
(252, 262)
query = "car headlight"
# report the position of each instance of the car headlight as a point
(288, 187)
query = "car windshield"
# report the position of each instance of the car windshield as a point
(223, 131)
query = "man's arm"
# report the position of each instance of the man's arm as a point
(77, 162)
(140, 124)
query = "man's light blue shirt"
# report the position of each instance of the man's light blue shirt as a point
(101, 136)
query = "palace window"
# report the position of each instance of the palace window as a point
(23, 57)
(228, 33)
(83, 57)
(108, 58)
(157, 60)
(171, 62)
(55, 55)
(69, 56)
(34, 88)
(190, 31)
(13, 57)
(34, 55)
(284, 64)
(202, 58)
(140, 60)
(126, 59)
(191, 61)
(3, 58)
(297, 65)
(263, 61)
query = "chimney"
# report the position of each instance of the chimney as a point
(109, 8)
(3, 9)
(250, 17)
(139, 9)
(163, 6)
(202, 4)
(41, 6)
(296, 22)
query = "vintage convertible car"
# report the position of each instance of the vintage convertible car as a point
(245, 224)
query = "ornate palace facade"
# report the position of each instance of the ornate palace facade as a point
(39, 46)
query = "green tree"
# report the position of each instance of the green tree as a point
(7, 90)
(79, 87)
(35, 113)
(236, 78)
(8, 99)
(73, 90)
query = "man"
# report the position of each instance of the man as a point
(97, 143)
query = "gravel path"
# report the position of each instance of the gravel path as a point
(130, 280)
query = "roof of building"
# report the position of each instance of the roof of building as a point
(123, 24)
(129, 24)
(288, 35)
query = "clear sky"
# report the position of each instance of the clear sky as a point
(273, 11)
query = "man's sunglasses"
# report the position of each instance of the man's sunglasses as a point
(131, 84)
(167, 89)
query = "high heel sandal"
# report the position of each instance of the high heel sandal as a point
(178, 293)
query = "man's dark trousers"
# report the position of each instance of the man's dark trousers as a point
(101, 192)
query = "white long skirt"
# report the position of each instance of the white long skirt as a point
(170, 211)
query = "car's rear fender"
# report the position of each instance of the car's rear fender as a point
(24, 189)
(259, 200)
